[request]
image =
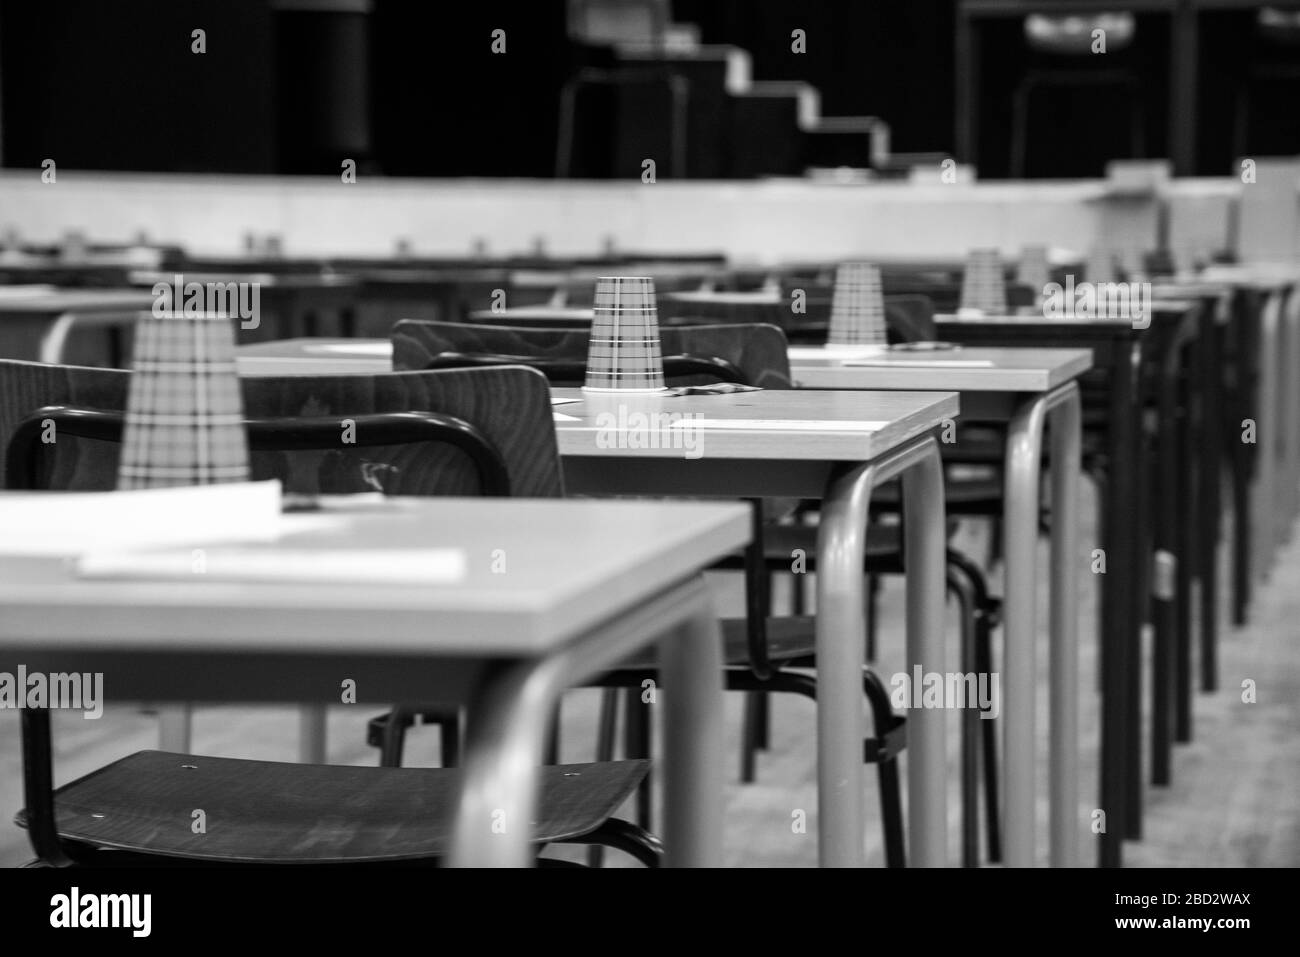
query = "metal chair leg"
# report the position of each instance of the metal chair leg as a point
(986, 618)
(749, 737)
(873, 596)
(623, 836)
(891, 794)
(636, 744)
(606, 730)
(959, 587)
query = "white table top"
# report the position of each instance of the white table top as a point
(1031, 318)
(569, 566)
(755, 298)
(782, 424)
(315, 357)
(1254, 275)
(289, 280)
(964, 368)
(580, 315)
(61, 300)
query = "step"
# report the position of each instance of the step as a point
(807, 99)
(859, 142)
(712, 72)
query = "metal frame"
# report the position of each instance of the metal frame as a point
(841, 625)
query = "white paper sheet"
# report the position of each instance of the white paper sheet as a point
(923, 363)
(781, 425)
(73, 523)
(837, 352)
(412, 566)
(383, 349)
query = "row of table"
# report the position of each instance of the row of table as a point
(1024, 387)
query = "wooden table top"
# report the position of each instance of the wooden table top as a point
(781, 424)
(570, 565)
(968, 369)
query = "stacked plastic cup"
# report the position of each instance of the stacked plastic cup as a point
(624, 354)
(184, 414)
(1101, 265)
(984, 285)
(857, 308)
(1034, 272)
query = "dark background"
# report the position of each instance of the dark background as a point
(414, 90)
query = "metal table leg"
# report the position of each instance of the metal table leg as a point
(509, 719)
(1264, 535)
(1118, 621)
(841, 627)
(1023, 459)
(1066, 444)
(1211, 494)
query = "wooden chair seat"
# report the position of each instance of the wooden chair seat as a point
(266, 812)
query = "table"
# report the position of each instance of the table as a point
(750, 449)
(826, 460)
(295, 296)
(1025, 387)
(1277, 400)
(315, 356)
(35, 325)
(558, 316)
(448, 289)
(1118, 348)
(1216, 377)
(589, 583)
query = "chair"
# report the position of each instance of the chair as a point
(759, 650)
(1054, 40)
(1274, 61)
(479, 431)
(644, 116)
